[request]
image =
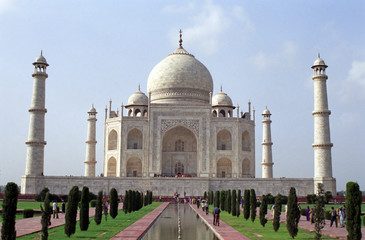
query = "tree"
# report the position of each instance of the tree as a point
(71, 211)
(10, 203)
(353, 211)
(229, 201)
(138, 201)
(277, 213)
(146, 200)
(216, 199)
(223, 200)
(238, 203)
(293, 214)
(125, 201)
(233, 203)
(46, 217)
(113, 203)
(263, 210)
(99, 208)
(84, 209)
(253, 204)
(210, 198)
(130, 197)
(246, 204)
(151, 197)
(205, 195)
(319, 212)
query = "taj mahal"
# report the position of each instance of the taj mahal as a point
(178, 137)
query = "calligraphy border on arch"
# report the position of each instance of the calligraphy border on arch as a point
(168, 123)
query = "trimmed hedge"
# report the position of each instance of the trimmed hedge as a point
(28, 213)
(327, 215)
(93, 203)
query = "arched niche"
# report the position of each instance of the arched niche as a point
(112, 167)
(135, 139)
(224, 140)
(246, 143)
(112, 140)
(134, 167)
(246, 168)
(224, 168)
(179, 151)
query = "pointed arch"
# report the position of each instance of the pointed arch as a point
(145, 113)
(135, 139)
(224, 168)
(112, 140)
(222, 113)
(134, 167)
(224, 140)
(137, 113)
(112, 167)
(246, 143)
(246, 168)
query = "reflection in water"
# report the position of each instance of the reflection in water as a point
(166, 226)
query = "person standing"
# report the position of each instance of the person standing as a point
(216, 213)
(54, 208)
(63, 206)
(105, 209)
(333, 216)
(206, 208)
(342, 217)
(307, 213)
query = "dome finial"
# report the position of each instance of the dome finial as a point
(41, 52)
(139, 87)
(319, 55)
(221, 88)
(180, 40)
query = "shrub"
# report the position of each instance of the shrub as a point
(238, 203)
(253, 204)
(93, 203)
(210, 198)
(205, 195)
(327, 197)
(223, 200)
(277, 213)
(71, 211)
(311, 198)
(363, 220)
(46, 217)
(246, 204)
(293, 214)
(28, 213)
(150, 197)
(302, 212)
(319, 212)
(216, 199)
(327, 215)
(99, 208)
(233, 203)
(353, 211)
(125, 201)
(270, 199)
(263, 210)
(229, 201)
(9, 210)
(84, 209)
(146, 201)
(114, 203)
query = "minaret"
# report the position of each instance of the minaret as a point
(322, 141)
(266, 145)
(91, 144)
(35, 143)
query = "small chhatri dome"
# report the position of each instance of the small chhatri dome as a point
(41, 59)
(319, 62)
(266, 112)
(92, 109)
(138, 99)
(221, 99)
(180, 79)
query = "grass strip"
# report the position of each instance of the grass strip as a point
(105, 230)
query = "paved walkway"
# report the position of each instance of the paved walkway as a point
(339, 233)
(31, 225)
(223, 231)
(136, 230)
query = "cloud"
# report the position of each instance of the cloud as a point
(208, 23)
(354, 86)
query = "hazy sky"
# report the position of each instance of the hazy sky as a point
(258, 50)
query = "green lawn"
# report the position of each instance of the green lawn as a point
(105, 230)
(248, 228)
(26, 205)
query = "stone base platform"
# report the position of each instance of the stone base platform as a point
(167, 186)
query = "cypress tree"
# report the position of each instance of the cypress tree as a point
(125, 202)
(353, 211)
(150, 197)
(238, 203)
(229, 197)
(293, 214)
(9, 210)
(130, 196)
(233, 202)
(71, 211)
(246, 204)
(210, 198)
(205, 195)
(223, 200)
(138, 200)
(277, 213)
(46, 217)
(113, 203)
(319, 212)
(146, 198)
(253, 204)
(84, 210)
(99, 208)
(216, 199)
(263, 210)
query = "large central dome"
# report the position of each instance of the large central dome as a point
(180, 78)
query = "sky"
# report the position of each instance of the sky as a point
(260, 51)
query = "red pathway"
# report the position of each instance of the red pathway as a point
(223, 231)
(136, 230)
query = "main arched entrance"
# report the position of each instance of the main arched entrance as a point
(179, 147)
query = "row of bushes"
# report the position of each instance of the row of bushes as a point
(312, 198)
(54, 197)
(135, 200)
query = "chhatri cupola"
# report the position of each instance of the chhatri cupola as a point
(222, 105)
(180, 79)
